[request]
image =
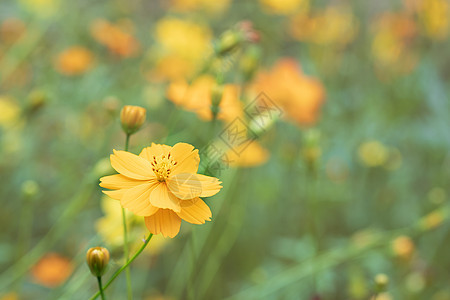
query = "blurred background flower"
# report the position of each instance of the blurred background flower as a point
(117, 38)
(73, 61)
(52, 270)
(299, 96)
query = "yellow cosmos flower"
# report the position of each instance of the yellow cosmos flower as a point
(373, 153)
(394, 34)
(181, 47)
(284, 7)
(435, 17)
(211, 7)
(161, 185)
(183, 38)
(169, 67)
(42, 8)
(10, 112)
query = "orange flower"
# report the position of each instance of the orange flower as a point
(117, 39)
(198, 98)
(299, 96)
(52, 270)
(392, 50)
(252, 155)
(403, 247)
(170, 67)
(161, 185)
(74, 61)
(334, 26)
(211, 7)
(284, 7)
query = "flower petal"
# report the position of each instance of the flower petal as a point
(250, 155)
(197, 213)
(187, 158)
(164, 221)
(131, 165)
(161, 197)
(137, 199)
(118, 181)
(188, 186)
(116, 195)
(230, 106)
(154, 150)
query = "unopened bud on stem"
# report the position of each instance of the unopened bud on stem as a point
(381, 282)
(311, 151)
(97, 259)
(233, 39)
(132, 117)
(30, 188)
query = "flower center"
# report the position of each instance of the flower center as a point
(162, 166)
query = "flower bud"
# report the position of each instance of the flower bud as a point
(381, 282)
(228, 42)
(30, 188)
(216, 94)
(250, 34)
(111, 104)
(97, 259)
(233, 39)
(37, 99)
(311, 151)
(132, 117)
(403, 247)
(250, 60)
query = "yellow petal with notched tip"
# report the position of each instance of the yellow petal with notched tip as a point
(164, 221)
(131, 165)
(197, 213)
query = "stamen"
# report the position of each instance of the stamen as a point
(162, 166)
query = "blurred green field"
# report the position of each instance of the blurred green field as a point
(345, 177)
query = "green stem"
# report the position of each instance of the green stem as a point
(126, 254)
(125, 239)
(24, 235)
(213, 127)
(100, 288)
(123, 267)
(127, 142)
(76, 203)
(26, 221)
